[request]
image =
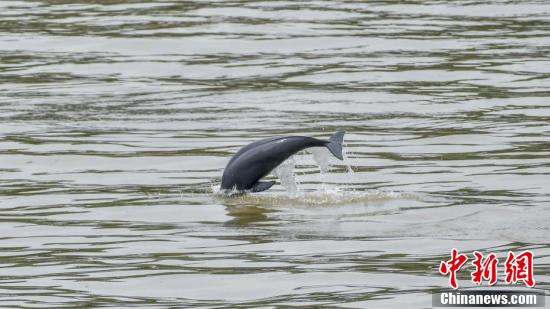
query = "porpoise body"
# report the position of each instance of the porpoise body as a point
(256, 160)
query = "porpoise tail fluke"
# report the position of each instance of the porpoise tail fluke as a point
(335, 144)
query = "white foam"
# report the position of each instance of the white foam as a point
(285, 173)
(327, 197)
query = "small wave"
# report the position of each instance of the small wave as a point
(324, 197)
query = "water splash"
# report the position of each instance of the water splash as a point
(285, 173)
(321, 157)
(347, 160)
(286, 170)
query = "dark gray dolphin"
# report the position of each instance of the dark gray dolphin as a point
(256, 160)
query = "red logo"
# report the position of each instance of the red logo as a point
(485, 269)
(517, 267)
(452, 266)
(520, 268)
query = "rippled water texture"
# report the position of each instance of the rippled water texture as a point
(118, 117)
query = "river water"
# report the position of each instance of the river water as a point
(118, 117)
